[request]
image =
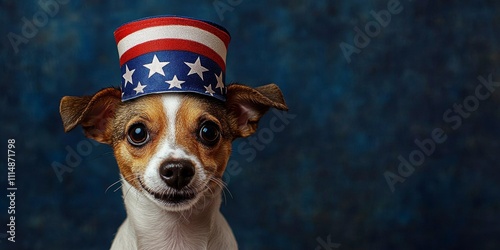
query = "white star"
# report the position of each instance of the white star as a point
(156, 67)
(220, 83)
(139, 88)
(209, 89)
(128, 76)
(196, 68)
(175, 83)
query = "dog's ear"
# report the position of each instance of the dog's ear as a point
(94, 113)
(247, 105)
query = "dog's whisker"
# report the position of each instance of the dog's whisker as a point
(223, 187)
(216, 183)
(128, 190)
(118, 188)
(114, 183)
(117, 182)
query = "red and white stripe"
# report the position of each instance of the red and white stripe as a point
(172, 33)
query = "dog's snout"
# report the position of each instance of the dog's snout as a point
(177, 174)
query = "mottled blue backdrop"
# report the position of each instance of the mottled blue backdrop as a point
(391, 141)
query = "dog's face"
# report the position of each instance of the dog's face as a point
(171, 147)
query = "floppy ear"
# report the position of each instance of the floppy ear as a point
(247, 105)
(94, 113)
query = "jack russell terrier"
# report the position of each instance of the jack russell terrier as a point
(171, 125)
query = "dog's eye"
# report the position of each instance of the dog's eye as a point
(137, 134)
(209, 133)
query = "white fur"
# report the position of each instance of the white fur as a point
(169, 149)
(150, 224)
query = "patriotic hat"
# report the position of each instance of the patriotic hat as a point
(172, 54)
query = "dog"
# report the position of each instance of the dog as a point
(171, 125)
(172, 150)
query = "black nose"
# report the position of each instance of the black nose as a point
(177, 174)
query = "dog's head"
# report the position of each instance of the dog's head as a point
(171, 147)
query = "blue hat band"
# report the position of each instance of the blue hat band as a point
(172, 71)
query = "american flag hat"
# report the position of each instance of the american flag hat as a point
(172, 54)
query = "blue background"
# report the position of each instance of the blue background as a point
(319, 179)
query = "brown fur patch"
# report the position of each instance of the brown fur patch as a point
(193, 112)
(133, 160)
